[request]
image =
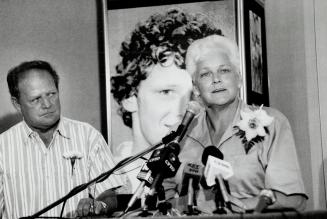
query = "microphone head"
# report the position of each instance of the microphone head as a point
(193, 107)
(174, 147)
(145, 175)
(194, 171)
(213, 151)
(212, 158)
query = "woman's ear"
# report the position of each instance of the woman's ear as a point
(130, 104)
(196, 91)
(197, 95)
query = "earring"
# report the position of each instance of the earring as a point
(196, 93)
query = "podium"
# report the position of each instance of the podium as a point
(316, 214)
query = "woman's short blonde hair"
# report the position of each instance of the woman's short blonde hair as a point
(200, 46)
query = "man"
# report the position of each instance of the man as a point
(46, 155)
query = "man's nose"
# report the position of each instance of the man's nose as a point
(46, 103)
(181, 107)
(176, 113)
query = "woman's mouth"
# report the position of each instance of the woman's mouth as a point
(218, 90)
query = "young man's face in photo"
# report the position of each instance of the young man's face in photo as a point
(162, 100)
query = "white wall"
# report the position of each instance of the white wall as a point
(63, 33)
(294, 83)
(321, 48)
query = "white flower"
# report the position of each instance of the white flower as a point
(72, 155)
(253, 123)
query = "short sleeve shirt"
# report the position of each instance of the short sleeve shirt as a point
(271, 163)
(32, 176)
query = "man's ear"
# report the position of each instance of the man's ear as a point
(130, 104)
(16, 104)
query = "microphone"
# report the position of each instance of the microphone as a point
(216, 170)
(190, 184)
(212, 158)
(193, 108)
(165, 160)
(266, 198)
(192, 171)
(163, 163)
(146, 178)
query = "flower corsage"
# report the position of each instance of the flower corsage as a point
(72, 155)
(252, 128)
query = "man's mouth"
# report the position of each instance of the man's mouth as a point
(47, 114)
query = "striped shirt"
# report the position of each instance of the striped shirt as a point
(32, 176)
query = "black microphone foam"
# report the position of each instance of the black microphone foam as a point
(193, 108)
(163, 163)
(213, 151)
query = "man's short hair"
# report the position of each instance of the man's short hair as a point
(17, 73)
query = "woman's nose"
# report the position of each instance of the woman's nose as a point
(216, 77)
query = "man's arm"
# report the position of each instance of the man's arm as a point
(101, 160)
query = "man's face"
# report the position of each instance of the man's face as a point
(216, 79)
(39, 100)
(162, 100)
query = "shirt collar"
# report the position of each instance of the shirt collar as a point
(61, 128)
(200, 132)
(230, 131)
(29, 133)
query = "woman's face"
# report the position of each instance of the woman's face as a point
(216, 79)
(162, 100)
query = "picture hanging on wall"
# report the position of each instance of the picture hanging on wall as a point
(257, 86)
(123, 17)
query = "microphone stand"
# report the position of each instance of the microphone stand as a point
(170, 137)
(221, 198)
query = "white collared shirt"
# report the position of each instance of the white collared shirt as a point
(32, 176)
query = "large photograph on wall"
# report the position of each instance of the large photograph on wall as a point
(123, 17)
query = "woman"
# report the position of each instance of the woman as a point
(152, 86)
(256, 141)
